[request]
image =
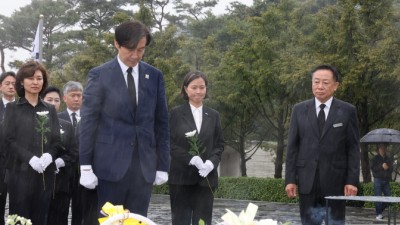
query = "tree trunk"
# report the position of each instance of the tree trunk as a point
(280, 149)
(243, 168)
(365, 167)
(364, 128)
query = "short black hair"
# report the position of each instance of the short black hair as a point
(129, 33)
(335, 72)
(50, 89)
(5, 75)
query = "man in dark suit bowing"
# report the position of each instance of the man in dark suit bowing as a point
(124, 134)
(323, 154)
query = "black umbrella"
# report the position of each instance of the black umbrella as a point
(382, 135)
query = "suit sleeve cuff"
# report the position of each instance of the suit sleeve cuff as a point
(86, 167)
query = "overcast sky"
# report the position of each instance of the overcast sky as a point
(7, 7)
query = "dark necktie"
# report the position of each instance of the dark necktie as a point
(74, 121)
(321, 118)
(131, 88)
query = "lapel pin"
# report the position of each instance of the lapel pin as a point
(146, 76)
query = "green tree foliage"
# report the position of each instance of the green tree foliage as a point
(5, 41)
(165, 53)
(257, 57)
(152, 12)
(260, 68)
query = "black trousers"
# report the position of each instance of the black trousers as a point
(190, 203)
(83, 203)
(132, 191)
(59, 209)
(76, 193)
(3, 200)
(312, 207)
(30, 193)
(89, 207)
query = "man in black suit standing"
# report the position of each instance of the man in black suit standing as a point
(323, 156)
(59, 206)
(7, 88)
(73, 92)
(7, 83)
(84, 201)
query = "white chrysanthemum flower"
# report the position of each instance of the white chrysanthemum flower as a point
(245, 217)
(61, 131)
(43, 113)
(78, 118)
(190, 134)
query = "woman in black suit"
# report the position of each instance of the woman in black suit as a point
(30, 168)
(193, 177)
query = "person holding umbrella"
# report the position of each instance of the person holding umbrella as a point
(382, 168)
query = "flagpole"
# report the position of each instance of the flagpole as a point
(40, 37)
(37, 51)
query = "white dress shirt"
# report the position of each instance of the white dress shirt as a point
(198, 116)
(327, 106)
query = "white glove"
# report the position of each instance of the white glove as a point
(35, 164)
(208, 166)
(88, 178)
(45, 160)
(197, 162)
(161, 177)
(59, 163)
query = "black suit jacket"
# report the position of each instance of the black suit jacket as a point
(3, 153)
(181, 122)
(69, 154)
(2, 110)
(65, 116)
(109, 129)
(335, 153)
(22, 141)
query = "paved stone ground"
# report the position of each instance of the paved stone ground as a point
(160, 213)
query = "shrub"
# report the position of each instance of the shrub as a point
(272, 190)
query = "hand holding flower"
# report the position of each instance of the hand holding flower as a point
(45, 160)
(196, 150)
(207, 168)
(197, 162)
(34, 162)
(41, 128)
(59, 163)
